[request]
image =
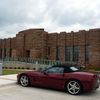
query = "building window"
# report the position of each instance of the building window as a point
(57, 53)
(87, 53)
(10, 52)
(5, 52)
(48, 50)
(75, 53)
(0, 52)
(67, 53)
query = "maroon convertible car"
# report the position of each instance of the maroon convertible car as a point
(65, 77)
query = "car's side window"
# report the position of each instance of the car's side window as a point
(67, 70)
(55, 70)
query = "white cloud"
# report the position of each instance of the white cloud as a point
(53, 15)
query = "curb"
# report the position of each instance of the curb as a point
(8, 84)
(7, 79)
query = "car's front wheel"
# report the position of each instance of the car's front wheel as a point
(24, 80)
(73, 87)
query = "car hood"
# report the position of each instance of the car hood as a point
(32, 72)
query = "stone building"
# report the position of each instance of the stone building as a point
(82, 47)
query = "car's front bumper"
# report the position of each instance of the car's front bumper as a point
(18, 78)
(91, 85)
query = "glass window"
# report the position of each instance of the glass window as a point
(48, 50)
(10, 52)
(57, 53)
(5, 52)
(74, 68)
(71, 69)
(0, 52)
(67, 53)
(55, 70)
(87, 53)
(75, 54)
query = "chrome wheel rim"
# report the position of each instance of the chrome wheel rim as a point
(73, 87)
(24, 81)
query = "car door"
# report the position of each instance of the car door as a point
(53, 77)
(37, 78)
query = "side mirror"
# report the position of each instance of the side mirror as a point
(45, 73)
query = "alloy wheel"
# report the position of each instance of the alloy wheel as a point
(24, 80)
(73, 87)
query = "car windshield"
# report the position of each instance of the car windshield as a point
(44, 69)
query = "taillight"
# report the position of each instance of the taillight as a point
(98, 76)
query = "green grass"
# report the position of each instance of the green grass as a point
(16, 71)
(12, 71)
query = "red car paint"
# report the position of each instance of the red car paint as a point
(89, 81)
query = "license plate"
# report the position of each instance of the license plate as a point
(98, 81)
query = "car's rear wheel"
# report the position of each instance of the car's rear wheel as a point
(24, 80)
(73, 87)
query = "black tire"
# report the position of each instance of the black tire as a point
(24, 80)
(73, 87)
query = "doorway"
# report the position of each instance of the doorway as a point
(27, 53)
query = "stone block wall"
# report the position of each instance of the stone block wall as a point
(37, 43)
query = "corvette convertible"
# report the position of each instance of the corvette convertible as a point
(63, 77)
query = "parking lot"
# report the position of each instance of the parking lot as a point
(17, 92)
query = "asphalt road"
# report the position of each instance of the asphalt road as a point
(17, 92)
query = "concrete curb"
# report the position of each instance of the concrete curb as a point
(8, 84)
(7, 79)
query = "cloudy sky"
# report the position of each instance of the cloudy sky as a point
(52, 15)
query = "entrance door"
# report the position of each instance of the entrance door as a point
(27, 53)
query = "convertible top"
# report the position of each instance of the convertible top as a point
(64, 65)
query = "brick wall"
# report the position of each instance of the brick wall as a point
(37, 43)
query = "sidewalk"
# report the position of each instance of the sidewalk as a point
(8, 80)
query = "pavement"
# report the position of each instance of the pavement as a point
(17, 92)
(6, 80)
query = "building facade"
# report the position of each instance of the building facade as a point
(82, 47)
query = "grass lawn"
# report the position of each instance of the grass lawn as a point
(16, 71)
(12, 71)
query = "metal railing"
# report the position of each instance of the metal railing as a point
(29, 63)
(33, 61)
